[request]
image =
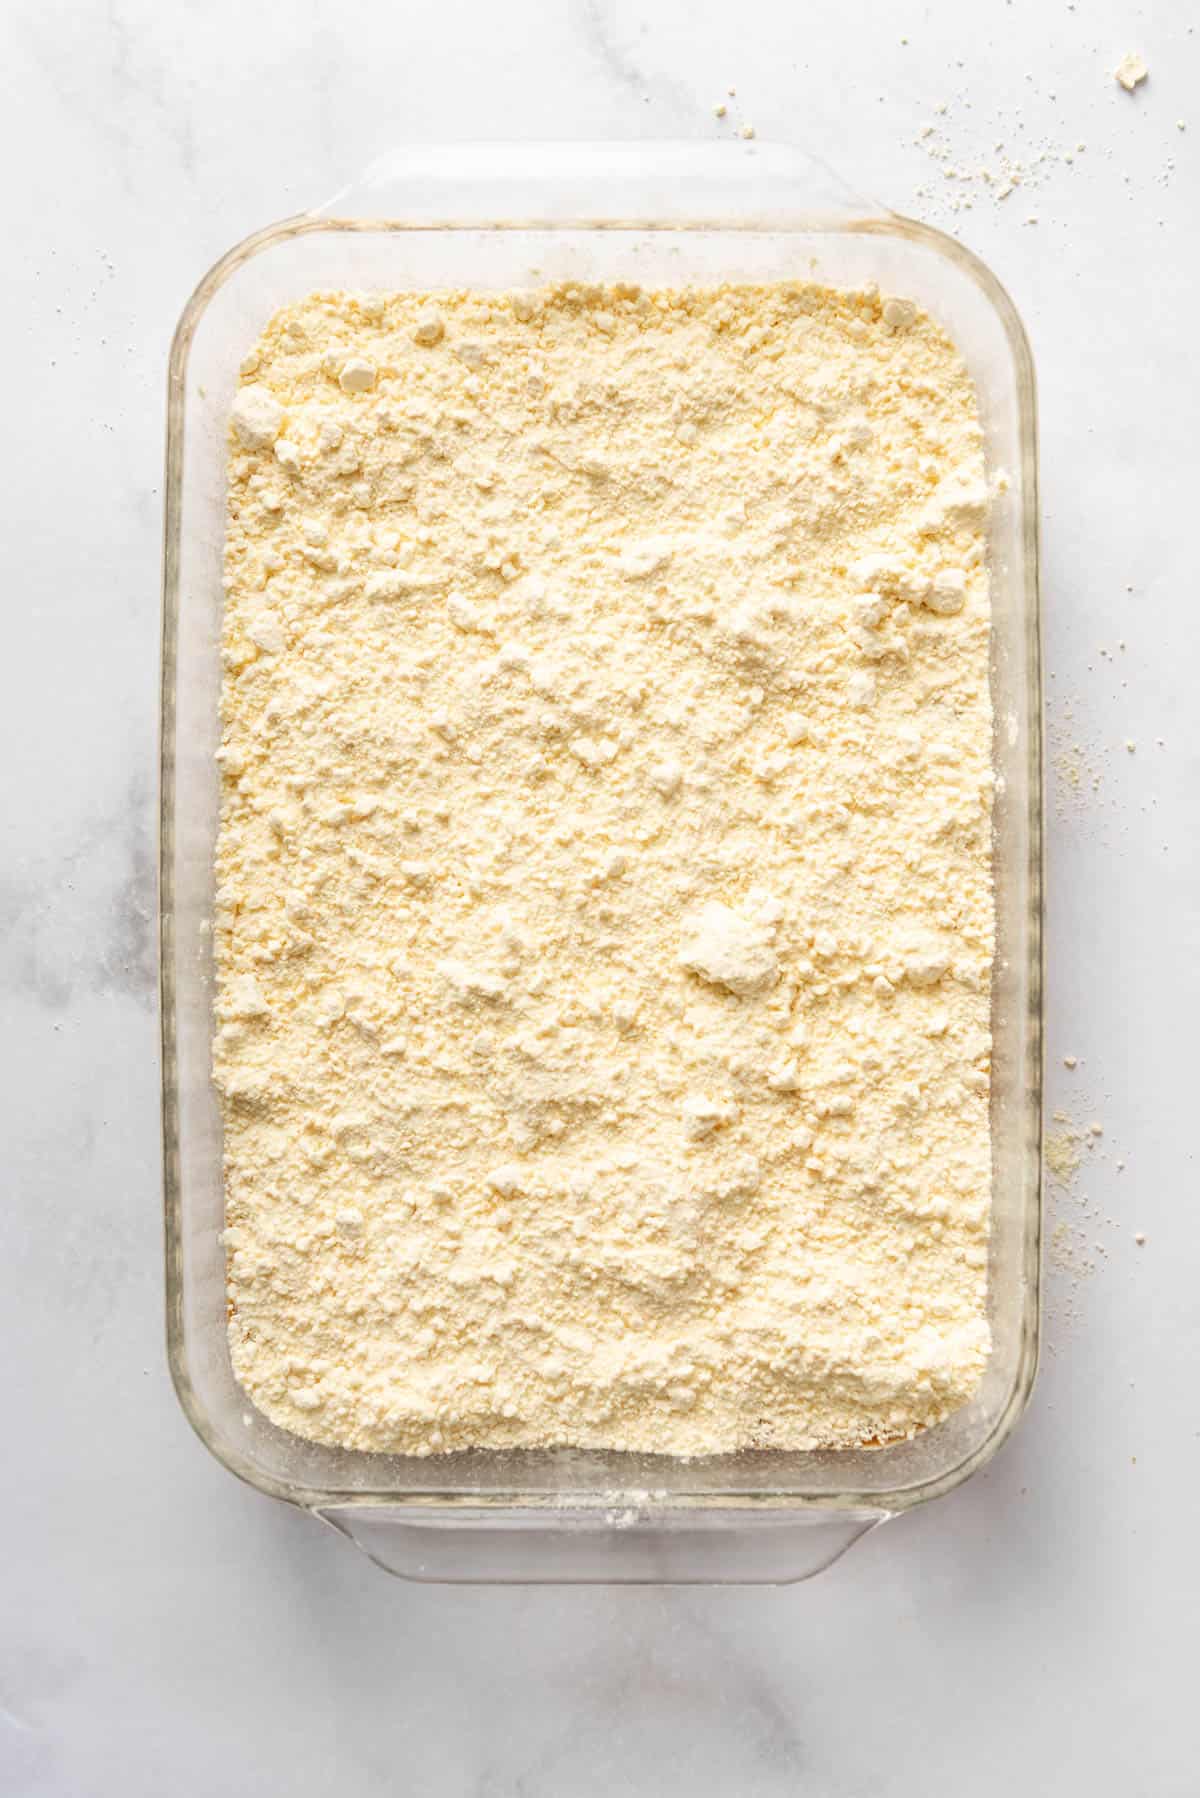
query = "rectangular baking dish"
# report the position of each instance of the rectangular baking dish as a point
(505, 216)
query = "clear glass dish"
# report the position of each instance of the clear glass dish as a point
(507, 216)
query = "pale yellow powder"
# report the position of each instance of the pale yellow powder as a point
(604, 924)
(1064, 1154)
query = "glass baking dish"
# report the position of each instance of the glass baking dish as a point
(505, 216)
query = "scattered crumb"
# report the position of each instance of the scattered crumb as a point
(747, 131)
(1068, 765)
(1060, 1246)
(1064, 1152)
(1076, 1227)
(1140, 1238)
(1077, 773)
(1070, 1253)
(1070, 1061)
(1065, 1146)
(1016, 159)
(720, 111)
(1130, 71)
(1078, 766)
(1130, 745)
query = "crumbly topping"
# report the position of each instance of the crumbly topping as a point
(604, 916)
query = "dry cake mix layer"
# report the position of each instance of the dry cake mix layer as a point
(604, 916)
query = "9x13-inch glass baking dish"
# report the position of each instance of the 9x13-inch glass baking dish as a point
(507, 216)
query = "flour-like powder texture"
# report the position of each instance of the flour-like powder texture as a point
(604, 912)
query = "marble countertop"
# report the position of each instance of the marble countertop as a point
(167, 1630)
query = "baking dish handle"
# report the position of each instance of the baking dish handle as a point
(665, 184)
(621, 1546)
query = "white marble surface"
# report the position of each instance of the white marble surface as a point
(166, 1630)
